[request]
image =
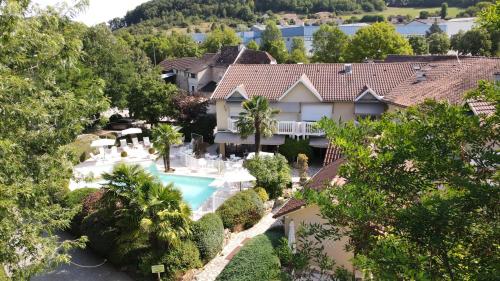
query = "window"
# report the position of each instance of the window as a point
(192, 88)
(193, 75)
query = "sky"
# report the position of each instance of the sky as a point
(99, 10)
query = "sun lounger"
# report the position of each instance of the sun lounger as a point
(123, 143)
(93, 156)
(146, 142)
(135, 142)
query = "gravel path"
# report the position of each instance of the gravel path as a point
(215, 266)
(84, 257)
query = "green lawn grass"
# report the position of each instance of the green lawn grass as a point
(3, 277)
(414, 12)
(256, 260)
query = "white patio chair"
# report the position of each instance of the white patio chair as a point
(232, 156)
(114, 152)
(146, 142)
(135, 142)
(123, 144)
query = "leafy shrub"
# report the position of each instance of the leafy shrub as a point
(272, 173)
(262, 194)
(243, 210)
(123, 154)
(208, 235)
(76, 197)
(182, 258)
(98, 228)
(291, 148)
(255, 261)
(151, 150)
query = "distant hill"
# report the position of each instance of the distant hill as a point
(185, 12)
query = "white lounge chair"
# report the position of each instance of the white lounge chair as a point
(146, 142)
(135, 143)
(114, 152)
(123, 144)
(93, 156)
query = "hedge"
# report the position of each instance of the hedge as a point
(208, 235)
(182, 258)
(76, 197)
(255, 261)
(241, 211)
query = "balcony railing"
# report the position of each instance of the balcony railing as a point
(290, 128)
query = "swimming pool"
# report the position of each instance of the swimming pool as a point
(195, 190)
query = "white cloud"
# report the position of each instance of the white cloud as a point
(99, 10)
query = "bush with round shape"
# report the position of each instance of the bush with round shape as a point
(151, 150)
(208, 235)
(272, 173)
(180, 259)
(123, 154)
(262, 194)
(241, 211)
(97, 227)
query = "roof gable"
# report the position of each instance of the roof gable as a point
(303, 80)
(238, 92)
(369, 95)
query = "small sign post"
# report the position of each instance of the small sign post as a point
(158, 269)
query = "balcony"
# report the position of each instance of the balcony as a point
(289, 128)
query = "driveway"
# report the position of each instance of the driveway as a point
(85, 258)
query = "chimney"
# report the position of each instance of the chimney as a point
(420, 75)
(348, 68)
(497, 76)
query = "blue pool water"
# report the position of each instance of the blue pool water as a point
(195, 190)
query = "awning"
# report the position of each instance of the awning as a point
(226, 137)
(319, 142)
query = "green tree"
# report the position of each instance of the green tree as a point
(476, 42)
(298, 51)
(489, 18)
(419, 45)
(433, 29)
(47, 97)
(421, 196)
(273, 43)
(439, 43)
(329, 44)
(182, 45)
(152, 99)
(443, 13)
(376, 42)
(257, 118)
(252, 45)
(110, 58)
(148, 216)
(164, 136)
(219, 38)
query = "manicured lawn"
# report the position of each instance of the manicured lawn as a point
(256, 260)
(414, 12)
(82, 144)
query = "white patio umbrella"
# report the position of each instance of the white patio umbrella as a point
(251, 155)
(239, 176)
(102, 143)
(130, 131)
(291, 236)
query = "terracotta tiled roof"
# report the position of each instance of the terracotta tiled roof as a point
(444, 81)
(482, 107)
(272, 80)
(290, 206)
(255, 57)
(397, 82)
(180, 63)
(318, 182)
(332, 154)
(326, 175)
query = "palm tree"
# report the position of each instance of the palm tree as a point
(164, 136)
(257, 118)
(147, 214)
